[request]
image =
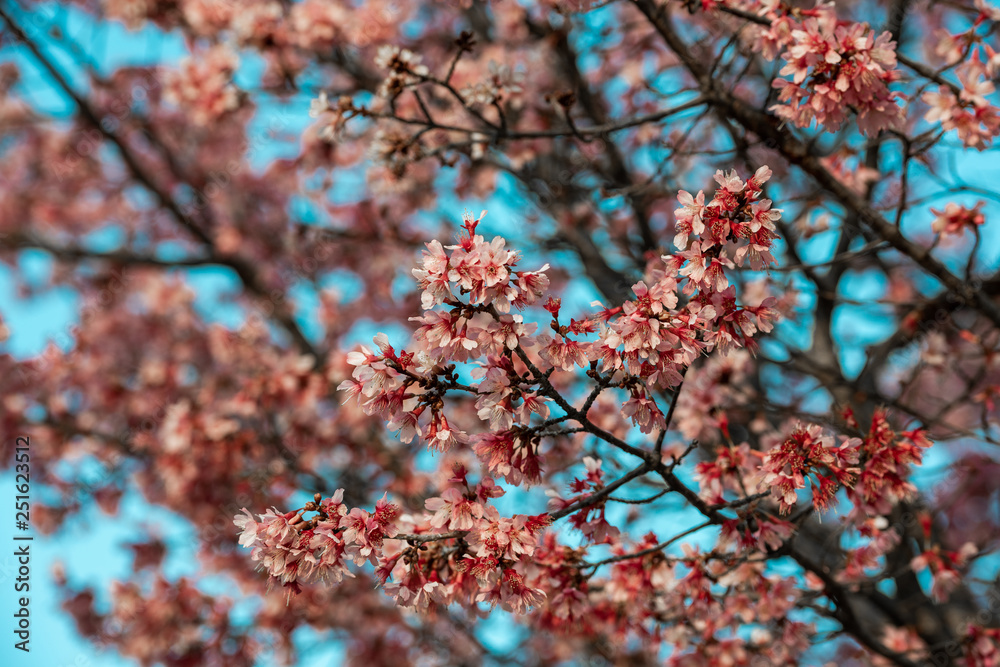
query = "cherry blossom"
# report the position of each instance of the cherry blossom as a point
(835, 67)
(204, 86)
(955, 219)
(672, 402)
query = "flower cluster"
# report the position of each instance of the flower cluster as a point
(873, 469)
(404, 69)
(332, 118)
(944, 568)
(727, 472)
(969, 113)
(461, 505)
(886, 457)
(807, 453)
(590, 520)
(501, 83)
(405, 388)
(294, 549)
(759, 534)
(837, 66)
(955, 219)
(486, 272)
(204, 85)
(654, 340)
(486, 565)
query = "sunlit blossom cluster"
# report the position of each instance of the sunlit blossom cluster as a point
(486, 566)
(836, 67)
(644, 345)
(293, 549)
(839, 82)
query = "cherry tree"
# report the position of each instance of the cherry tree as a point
(710, 380)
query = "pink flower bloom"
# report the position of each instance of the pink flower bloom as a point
(433, 277)
(808, 452)
(563, 353)
(643, 412)
(531, 404)
(446, 334)
(507, 333)
(493, 261)
(406, 424)
(204, 86)
(635, 332)
(837, 67)
(689, 217)
(504, 537)
(454, 510)
(442, 436)
(248, 528)
(514, 458)
(497, 411)
(515, 596)
(955, 219)
(532, 284)
(414, 591)
(970, 114)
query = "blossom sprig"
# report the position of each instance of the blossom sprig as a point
(590, 519)
(467, 292)
(729, 470)
(404, 67)
(836, 66)
(484, 564)
(955, 219)
(485, 271)
(839, 66)
(966, 109)
(886, 457)
(653, 338)
(873, 469)
(809, 454)
(481, 559)
(294, 549)
(642, 346)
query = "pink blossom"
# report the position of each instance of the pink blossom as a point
(643, 412)
(955, 219)
(204, 85)
(453, 510)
